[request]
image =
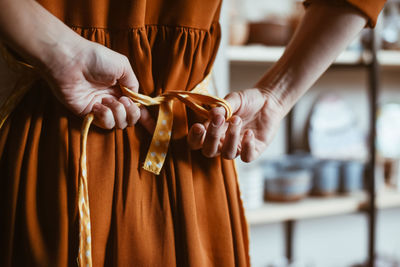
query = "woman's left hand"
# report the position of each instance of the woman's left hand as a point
(256, 117)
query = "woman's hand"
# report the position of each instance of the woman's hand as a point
(89, 80)
(84, 75)
(256, 117)
(326, 29)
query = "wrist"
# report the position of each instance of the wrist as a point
(57, 50)
(277, 88)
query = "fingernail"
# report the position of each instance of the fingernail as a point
(217, 121)
(198, 131)
(235, 121)
(249, 133)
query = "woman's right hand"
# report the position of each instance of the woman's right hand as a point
(89, 80)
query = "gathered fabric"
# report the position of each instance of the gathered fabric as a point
(190, 214)
(197, 99)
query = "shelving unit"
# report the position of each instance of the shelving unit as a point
(314, 207)
(258, 54)
(369, 59)
(254, 54)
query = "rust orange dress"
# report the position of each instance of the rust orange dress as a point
(189, 215)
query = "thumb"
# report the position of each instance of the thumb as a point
(235, 101)
(128, 77)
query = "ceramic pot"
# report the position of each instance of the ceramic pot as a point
(352, 176)
(326, 178)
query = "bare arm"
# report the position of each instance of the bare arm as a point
(35, 34)
(82, 74)
(323, 33)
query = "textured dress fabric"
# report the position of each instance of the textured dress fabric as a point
(189, 215)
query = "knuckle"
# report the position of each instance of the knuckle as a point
(133, 116)
(118, 106)
(108, 119)
(125, 59)
(135, 112)
(122, 125)
(108, 124)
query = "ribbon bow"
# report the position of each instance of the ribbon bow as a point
(194, 99)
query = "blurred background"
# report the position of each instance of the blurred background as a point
(308, 199)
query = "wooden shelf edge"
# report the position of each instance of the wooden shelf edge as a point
(258, 54)
(314, 207)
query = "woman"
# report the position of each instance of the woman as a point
(190, 214)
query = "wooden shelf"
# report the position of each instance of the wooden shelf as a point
(314, 207)
(254, 54)
(388, 58)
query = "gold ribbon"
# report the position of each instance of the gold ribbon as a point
(196, 99)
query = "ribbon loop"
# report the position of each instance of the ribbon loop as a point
(197, 99)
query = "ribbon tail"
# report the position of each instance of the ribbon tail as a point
(162, 135)
(85, 245)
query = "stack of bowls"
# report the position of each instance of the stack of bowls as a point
(291, 179)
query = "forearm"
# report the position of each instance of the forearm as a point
(323, 33)
(36, 34)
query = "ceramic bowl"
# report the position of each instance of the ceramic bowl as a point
(288, 185)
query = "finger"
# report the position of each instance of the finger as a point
(232, 138)
(217, 111)
(196, 136)
(235, 100)
(118, 111)
(213, 136)
(146, 120)
(248, 147)
(128, 77)
(103, 116)
(132, 110)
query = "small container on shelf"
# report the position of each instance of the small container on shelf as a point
(272, 32)
(326, 178)
(288, 179)
(288, 185)
(251, 184)
(352, 176)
